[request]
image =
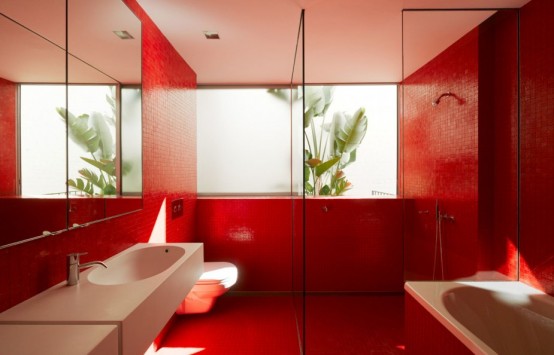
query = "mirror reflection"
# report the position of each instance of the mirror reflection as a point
(90, 96)
(459, 144)
(32, 196)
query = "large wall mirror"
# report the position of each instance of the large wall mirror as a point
(70, 115)
(459, 132)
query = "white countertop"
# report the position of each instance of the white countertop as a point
(23, 339)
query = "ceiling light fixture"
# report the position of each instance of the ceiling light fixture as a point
(123, 34)
(211, 34)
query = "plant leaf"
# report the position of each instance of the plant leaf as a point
(348, 159)
(323, 167)
(105, 165)
(92, 178)
(126, 167)
(317, 101)
(308, 116)
(307, 173)
(79, 184)
(105, 140)
(312, 163)
(325, 191)
(79, 131)
(109, 190)
(279, 93)
(349, 131)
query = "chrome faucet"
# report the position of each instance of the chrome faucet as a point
(73, 267)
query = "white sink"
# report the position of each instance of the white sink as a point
(136, 265)
(139, 292)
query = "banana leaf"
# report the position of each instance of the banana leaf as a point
(325, 191)
(79, 184)
(108, 166)
(323, 167)
(348, 159)
(109, 190)
(106, 142)
(350, 131)
(307, 173)
(79, 131)
(93, 178)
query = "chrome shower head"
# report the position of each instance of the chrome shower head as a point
(438, 100)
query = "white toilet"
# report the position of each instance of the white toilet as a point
(217, 278)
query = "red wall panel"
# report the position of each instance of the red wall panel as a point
(537, 145)
(8, 156)
(255, 234)
(47, 214)
(169, 171)
(352, 245)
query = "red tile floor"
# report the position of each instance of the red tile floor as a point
(267, 325)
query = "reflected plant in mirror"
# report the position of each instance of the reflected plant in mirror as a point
(38, 158)
(93, 133)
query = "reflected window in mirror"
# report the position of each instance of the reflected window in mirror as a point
(42, 136)
(131, 140)
(91, 124)
(97, 159)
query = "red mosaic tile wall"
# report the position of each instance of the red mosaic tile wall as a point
(255, 234)
(351, 244)
(537, 145)
(498, 143)
(354, 245)
(463, 153)
(8, 95)
(441, 160)
(169, 171)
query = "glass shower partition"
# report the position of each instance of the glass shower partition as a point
(459, 144)
(297, 182)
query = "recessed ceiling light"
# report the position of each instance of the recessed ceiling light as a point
(123, 34)
(211, 35)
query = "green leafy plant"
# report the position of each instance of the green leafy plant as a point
(331, 146)
(92, 134)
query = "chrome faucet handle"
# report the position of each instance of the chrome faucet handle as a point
(74, 258)
(74, 265)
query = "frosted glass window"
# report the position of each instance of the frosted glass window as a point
(42, 140)
(245, 144)
(244, 140)
(45, 166)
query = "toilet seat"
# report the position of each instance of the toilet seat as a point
(218, 273)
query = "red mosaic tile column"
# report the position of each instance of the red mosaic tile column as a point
(537, 145)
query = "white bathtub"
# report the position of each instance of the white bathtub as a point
(496, 317)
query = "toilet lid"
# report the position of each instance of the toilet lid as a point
(218, 273)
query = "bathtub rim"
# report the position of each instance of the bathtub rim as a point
(429, 295)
